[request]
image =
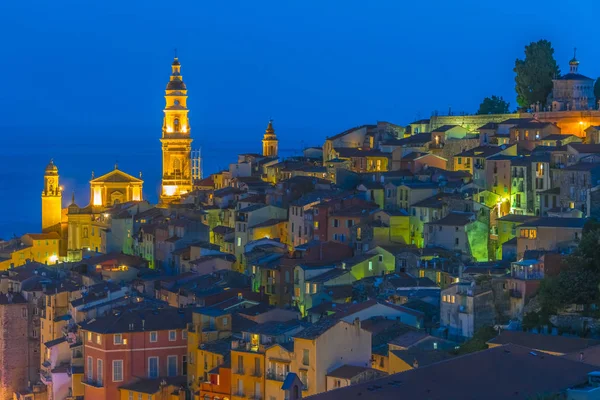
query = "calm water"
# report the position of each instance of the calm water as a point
(24, 154)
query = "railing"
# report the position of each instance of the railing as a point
(45, 377)
(528, 275)
(239, 394)
(239, 371)
(275, 376)
(257, 373)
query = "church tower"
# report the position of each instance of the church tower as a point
(51, 200)
(176, 140)
(270, 141)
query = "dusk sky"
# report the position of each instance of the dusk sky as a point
(84, 76)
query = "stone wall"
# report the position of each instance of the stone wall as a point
(13, 349)
(576, 323)
(469, 122)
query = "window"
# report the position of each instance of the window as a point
(130, 397)
(154, 337)
(90, 369)
(336, 223)
(381, 258)
(445, 298)
(184, 334)
(239, 241)
(305, 357)
(117, 338)
(349, 223)
(172, 366)
(307, 288)
(370, 265)
(140, 396)
(459, 160)
(117, 370)
(314, 286)
(452, 299)
(421, 273)
(89, 336)
(225, 321)
(98, 339)
(172, 336)
(316, 224)
(99, 371)
(456, 241)
(152, 367)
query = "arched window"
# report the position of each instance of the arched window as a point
(85, 233)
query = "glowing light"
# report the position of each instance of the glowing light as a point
(53, 258)
(184, 129)
(97, 196)
(580, 122)
(169, 129)
(170, 190)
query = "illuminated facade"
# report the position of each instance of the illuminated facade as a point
(270, 142)
(176, 140)
(114, 188)
(51, 200)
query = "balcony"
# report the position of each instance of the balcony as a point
(527, 275)
(274, 376)
(239, 394)
(46, 377)
(257, 373)
(239, 371)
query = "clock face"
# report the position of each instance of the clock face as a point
(51, 180)
(176, 102)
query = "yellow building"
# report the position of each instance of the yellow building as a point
(40, 247)
(114, 188)
(176, 140)
(154, 389)
(279, 360)
(209, 325)
(51, 200)
(270, 143)
(247, 370)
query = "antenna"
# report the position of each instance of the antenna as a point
(175, 52)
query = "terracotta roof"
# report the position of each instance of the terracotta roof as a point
(347, 371)
(549, 343)
(505, 372)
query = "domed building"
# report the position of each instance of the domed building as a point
(573, 91)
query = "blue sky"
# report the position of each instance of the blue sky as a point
(83, 81)
(317, 67)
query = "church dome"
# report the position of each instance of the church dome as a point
(574, 61)
(176, 84)
(51, 168)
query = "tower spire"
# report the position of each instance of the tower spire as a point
(574, 64)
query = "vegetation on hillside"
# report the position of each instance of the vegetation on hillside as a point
(493, 105)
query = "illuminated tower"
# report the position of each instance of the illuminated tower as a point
(51, 200)
(270, 141)
(176, 140)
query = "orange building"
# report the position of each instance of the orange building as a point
(131, 344)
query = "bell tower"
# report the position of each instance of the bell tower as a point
(176, 140)
(51, 200)
(270, 142)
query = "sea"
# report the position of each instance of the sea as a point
(25, 152)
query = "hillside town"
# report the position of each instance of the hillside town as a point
(369, 266)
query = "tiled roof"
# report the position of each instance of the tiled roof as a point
(136, 319)
(555, 223)
(505, 372)
(549, 343)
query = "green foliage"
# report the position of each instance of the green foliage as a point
(478, 341)
(597, 89)
(535, 74)
(493, 105)
(578, 281)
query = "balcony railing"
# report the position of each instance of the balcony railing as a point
(92, 382)
(274, 376)
(528, 275)
(239, 394)
(239, 371)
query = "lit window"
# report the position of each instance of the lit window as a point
(370, 265)
(89, 336)
(239, 241)
(98, 339)
(444, 298)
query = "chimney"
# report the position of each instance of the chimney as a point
(415, 363)
(581, 356)
(356, 324)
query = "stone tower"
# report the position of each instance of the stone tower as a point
(270, 142)
(51, 200)
(176, 140)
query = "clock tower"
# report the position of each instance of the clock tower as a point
(176, 140)
(51, 200)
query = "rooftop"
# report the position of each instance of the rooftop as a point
(548, 343)
(523, 374)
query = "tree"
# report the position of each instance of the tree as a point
(493, 105)
(597, 89)
(535, 74)
(479, 341)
